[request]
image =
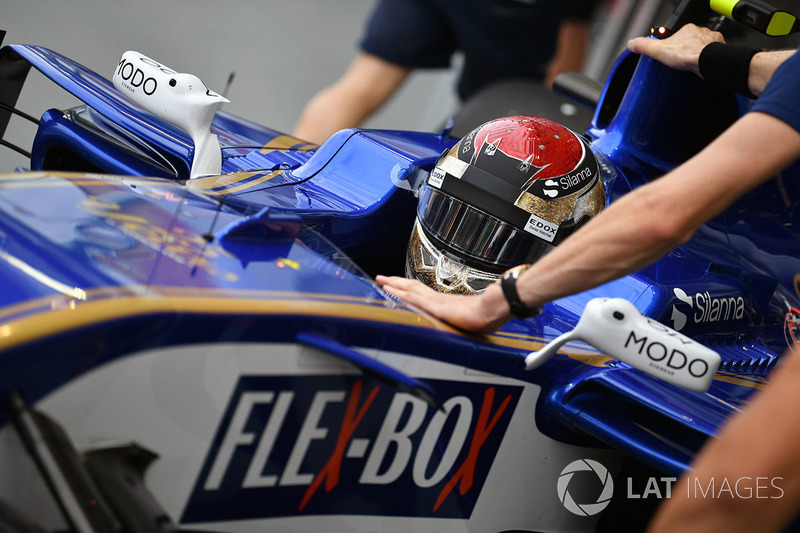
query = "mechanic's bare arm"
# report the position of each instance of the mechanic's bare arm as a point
(634, 231)
(573, 35)
(366, 85)
(763, 66)
(681, 51)
(759, 444)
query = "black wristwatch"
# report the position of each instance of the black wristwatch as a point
(508, 282)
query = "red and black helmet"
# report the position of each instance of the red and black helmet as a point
(504, 195)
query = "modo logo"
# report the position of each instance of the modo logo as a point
(135, 77)
(586, 509)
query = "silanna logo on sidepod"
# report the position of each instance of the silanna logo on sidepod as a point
(704, 308)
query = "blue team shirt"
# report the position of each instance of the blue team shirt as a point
(781, 97)
(500, 39)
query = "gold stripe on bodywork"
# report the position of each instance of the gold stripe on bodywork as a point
(29, 321)
(48, 303)
(752, 382)
(287, 142)
(35, 327)
(581, 352)
(227, 183)
(250, 184)
(51, 315)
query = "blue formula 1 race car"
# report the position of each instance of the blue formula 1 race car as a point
(191, 338)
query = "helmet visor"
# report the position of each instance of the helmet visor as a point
(481, 239)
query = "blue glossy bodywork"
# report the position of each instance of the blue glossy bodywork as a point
(191, 249)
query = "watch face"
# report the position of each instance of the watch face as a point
(516, 271)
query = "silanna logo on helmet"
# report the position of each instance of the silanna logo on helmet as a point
(347, 445)
(565, 185)
(574, 181)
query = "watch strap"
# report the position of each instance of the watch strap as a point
(508, 282)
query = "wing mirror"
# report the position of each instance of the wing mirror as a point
(180, 99)
(615, 327)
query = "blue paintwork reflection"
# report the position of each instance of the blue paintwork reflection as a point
(729, 287)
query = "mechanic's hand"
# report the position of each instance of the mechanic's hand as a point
(483, 313)
(681, 50)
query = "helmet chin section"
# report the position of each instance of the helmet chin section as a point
(444, 274)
